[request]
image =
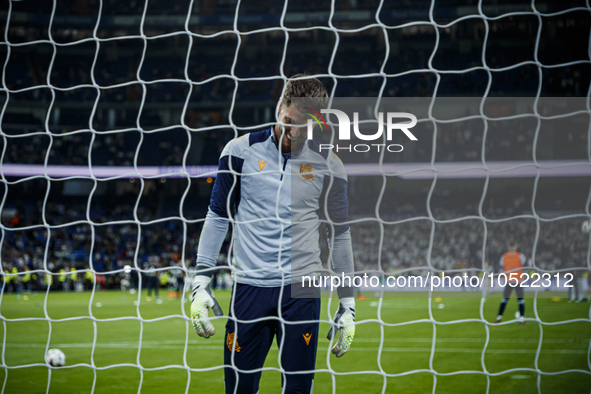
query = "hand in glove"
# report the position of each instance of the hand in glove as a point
(344, 324)
(201, 298)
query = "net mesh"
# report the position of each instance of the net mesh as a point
(99, 88)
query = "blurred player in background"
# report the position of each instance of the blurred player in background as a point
(512, 263)
(152, 281)
(575, 292)
(263, 256)
(486, 285)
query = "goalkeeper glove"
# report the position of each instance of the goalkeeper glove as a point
(201, 298)
(344, 323)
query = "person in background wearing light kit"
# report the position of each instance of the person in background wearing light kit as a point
(73, 277)
(265, 260)
(27, 280)
(63, 278)
(89, 278)
(575, 291)
(152, 281)
(512, 263)
(487, 285)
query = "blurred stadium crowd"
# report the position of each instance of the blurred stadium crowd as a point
(459, 245)
(455, 142)
(458, 240)
(146, 77)
(151, 90)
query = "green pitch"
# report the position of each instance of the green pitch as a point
(161, 348)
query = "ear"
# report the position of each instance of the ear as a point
(279, 108)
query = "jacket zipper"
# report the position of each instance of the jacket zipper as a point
(284, 164)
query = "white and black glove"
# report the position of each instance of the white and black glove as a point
(202, 298)
(344, 324)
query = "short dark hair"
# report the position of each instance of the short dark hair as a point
(310, 87)
(512, 243)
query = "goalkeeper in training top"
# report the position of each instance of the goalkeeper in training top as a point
(512, 263)
(273, 184)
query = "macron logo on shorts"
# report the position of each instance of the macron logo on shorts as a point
(230, 339)
(307, 338)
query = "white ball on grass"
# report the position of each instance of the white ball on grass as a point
(586, 226)
(55, 358)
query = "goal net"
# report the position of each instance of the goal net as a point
(113, 120)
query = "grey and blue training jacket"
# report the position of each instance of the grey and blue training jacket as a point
(276, 203)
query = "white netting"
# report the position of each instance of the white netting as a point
(148, 102)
